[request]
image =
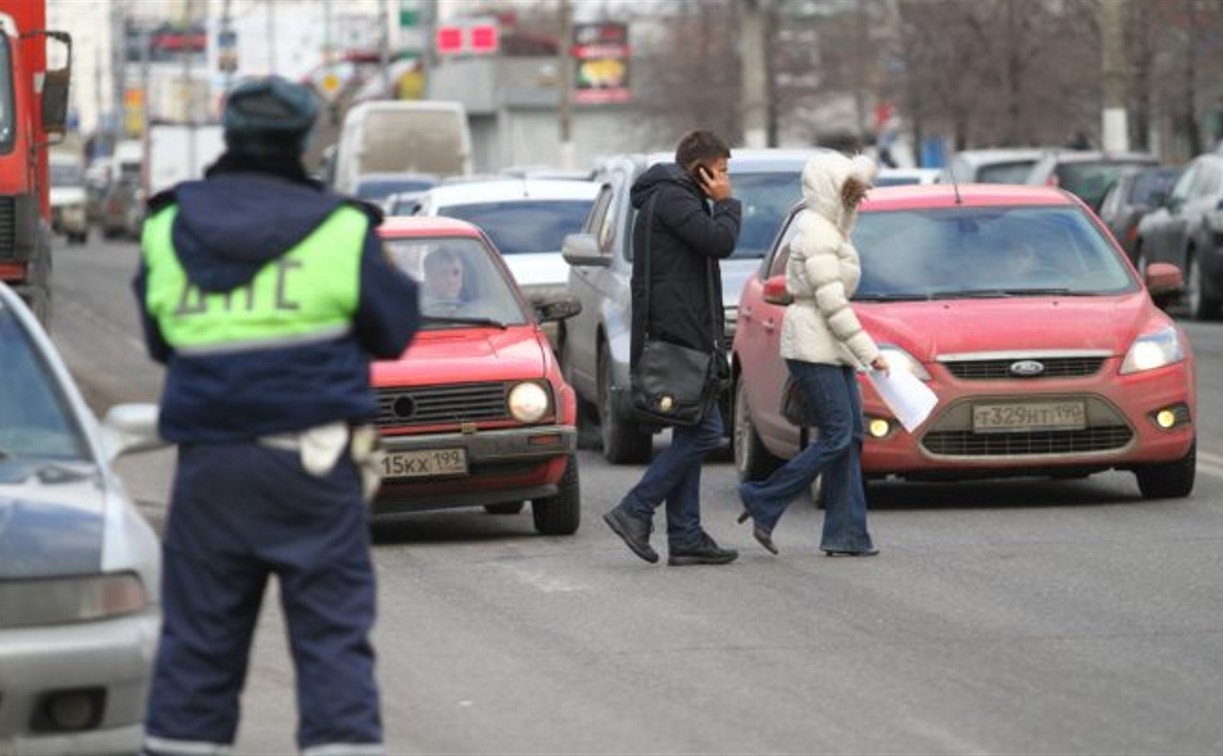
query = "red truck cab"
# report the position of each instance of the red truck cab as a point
(33, 107)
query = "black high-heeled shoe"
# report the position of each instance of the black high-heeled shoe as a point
(762, 536)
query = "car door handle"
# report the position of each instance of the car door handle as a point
(767, 325)
(745, 313)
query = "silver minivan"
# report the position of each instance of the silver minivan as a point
(594, 344)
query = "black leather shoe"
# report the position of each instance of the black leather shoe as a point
(634, 531)
(704, 551)
(863, 553)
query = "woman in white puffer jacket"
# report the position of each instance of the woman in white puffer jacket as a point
(824, 346)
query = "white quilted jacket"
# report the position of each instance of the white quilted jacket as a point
(823, 270)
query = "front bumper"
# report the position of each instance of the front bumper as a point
(113, 655)
(1121, 432)
(505, 465)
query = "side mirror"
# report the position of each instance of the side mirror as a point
(556, 309)
(1164, 281)
(55, 87)
(775, 291)
(583, 250)
(130, 428)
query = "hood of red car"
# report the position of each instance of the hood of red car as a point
(467, 354)
(929, 329)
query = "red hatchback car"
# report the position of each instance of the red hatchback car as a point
(475, 412)
(1018, 309)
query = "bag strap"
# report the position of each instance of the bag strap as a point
(709, 282)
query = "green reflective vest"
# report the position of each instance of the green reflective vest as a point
(309, 294)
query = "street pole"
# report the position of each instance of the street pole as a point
(755, 90)
(188, 95)
(565, 62)
(118, 69)
(384, 49)
(271, 35)
(1115, 132)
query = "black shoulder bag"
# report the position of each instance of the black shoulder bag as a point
(673, 384)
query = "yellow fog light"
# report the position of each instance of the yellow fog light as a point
(1165, 418)
(878, 427)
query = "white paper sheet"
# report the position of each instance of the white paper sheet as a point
(904, 393)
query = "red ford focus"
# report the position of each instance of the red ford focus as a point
(1016, 307)
(476, 412)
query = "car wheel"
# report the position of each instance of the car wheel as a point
(560, 514)
(512, 508)
(752, 460)
(1169, 480)
(623, 442)
(1201, 305)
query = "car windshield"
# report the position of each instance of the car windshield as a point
(766, 199)
(460, 284)
(35, 419)
(1005, 173)
(67, 174)
(377, 190)
(985, 252)
(1090, 180)
(524, 226)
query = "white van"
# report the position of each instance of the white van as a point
(402, 136)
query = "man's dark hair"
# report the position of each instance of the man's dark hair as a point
(699, 146)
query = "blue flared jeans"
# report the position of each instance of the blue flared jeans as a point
(675, 477)
(835, 404)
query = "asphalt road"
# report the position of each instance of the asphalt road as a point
(1032, 617)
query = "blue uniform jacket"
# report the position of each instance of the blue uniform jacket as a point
(228, 227)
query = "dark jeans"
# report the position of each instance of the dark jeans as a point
(835, 403)
(675, 477)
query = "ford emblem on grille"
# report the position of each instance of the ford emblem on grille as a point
(1027, 368)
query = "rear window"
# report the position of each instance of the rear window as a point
(1089, 181)
(985, 252)
(524, 226)
(1148, 183)
(1005, 173)
(377, 190)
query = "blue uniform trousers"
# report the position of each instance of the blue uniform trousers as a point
(241, 513)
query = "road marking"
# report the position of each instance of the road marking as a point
(1214, 459)
(1209, 469)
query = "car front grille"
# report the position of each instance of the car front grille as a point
(969, 444)
(999, 369)
(433, 405)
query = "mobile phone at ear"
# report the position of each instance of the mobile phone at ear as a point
(702, 175)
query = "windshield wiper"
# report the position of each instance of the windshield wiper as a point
(892, 298)
(1048, 291)
(972, 294)
(464, 321)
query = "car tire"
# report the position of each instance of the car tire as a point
(560, 514)
(752, 460)
(1168, 480)
(623, 442)
(1198, 301)
(510, 508)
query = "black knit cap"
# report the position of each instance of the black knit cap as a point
(268, 116)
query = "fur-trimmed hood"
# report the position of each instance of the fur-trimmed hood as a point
(824, 175)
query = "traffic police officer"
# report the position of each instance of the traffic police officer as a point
(266, 296)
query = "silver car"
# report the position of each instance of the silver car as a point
(594, 344)
(79, 566)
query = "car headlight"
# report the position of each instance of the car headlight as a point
(1153, 350)
(528, 402)
(899, 359)
(53, 601)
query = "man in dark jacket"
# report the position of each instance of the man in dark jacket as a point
(266, 297)
(692, 221)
